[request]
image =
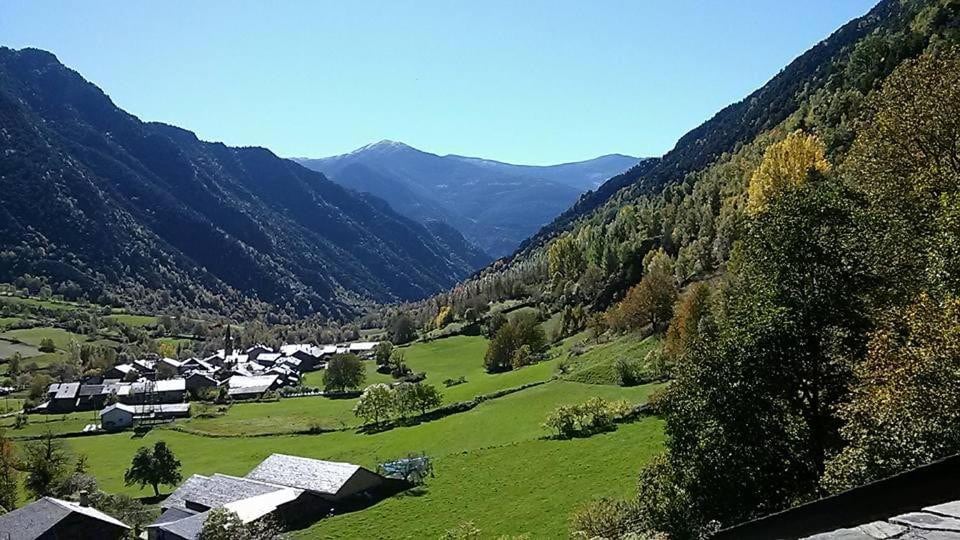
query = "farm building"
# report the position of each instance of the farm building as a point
(169, 362)
(251, 387)
(295, 491)
(197, 381)
(254, 352)
(63, 397)
(121, 371)
(363, 348)
(145, 366)
(310, 356)
(191, 365)
(120, 416)
(50, 518)
(163, 391)
(71, 397)
(117, 416)
(330, 480)
(267, 359)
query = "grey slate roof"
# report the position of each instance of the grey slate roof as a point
(67, 390)
(315, 475)
(174, 514)
(91, 390)
(189, 486)
(939, 522)
(216, 490)
(33, 520)
(188, 527)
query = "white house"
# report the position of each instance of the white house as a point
(117, 416)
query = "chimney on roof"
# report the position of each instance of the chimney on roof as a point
(84, 498)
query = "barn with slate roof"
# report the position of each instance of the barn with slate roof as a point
(293, 490)
(55, 519)
(329, 479)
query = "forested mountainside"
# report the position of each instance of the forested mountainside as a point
(494, 205)
(798, 254)
(734, 126)
(105, 206)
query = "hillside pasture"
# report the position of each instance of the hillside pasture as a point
(288, 415)
(9, 348)
(33, 336)
(498, 422)
(496, 464)
(597, 365)
(130, 319)
(56, 424)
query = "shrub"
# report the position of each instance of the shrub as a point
(47, 346)
(603, 518)
(453, 382)
(583, 419)
(629, 372)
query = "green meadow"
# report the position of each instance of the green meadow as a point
(134, 320)
(495, 464)
(33, 336)
(597, 364)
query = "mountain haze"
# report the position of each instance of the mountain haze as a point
(104, 204)
(495, 205)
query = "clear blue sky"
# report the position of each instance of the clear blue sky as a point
(526, 81)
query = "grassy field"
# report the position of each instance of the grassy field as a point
(33, 336)
(598, 364)
(525, 487)
(37, 302)
(504, 421)
(284, 416)
(134, 320)
(462, 356)
(314, 379)
(495, 464)
(6, 322)
(58, 424)
(10, 348)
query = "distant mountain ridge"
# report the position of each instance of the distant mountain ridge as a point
(493, 204)
(105, 205)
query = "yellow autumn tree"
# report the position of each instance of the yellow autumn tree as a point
(444, 317)
(565, 259)
(785, 164)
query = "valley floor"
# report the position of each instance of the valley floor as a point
(494, 464)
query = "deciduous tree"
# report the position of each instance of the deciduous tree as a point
(376, 404)
(153, 468)
(344, 371)
(785, 164)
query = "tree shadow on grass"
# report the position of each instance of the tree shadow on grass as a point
(416, 491)
(140, 433)
(342, 395)
(150, 500)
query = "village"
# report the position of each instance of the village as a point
(156, 389)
